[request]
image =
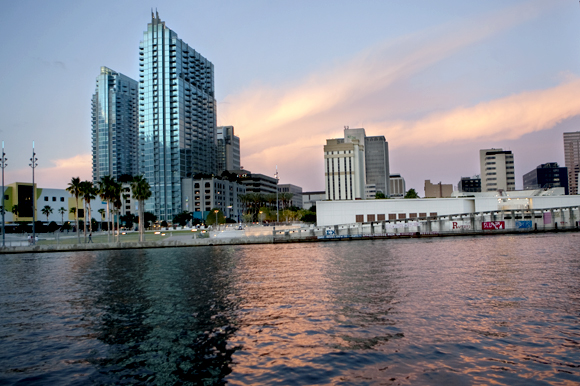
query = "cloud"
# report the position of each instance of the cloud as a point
(57, 176)
(313, 109)
(501, 119)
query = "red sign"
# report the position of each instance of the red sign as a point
(493, 225)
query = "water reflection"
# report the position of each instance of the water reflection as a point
(480, 310)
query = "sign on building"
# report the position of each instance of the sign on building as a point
(526, 224)
(460, 225)
(492, 225)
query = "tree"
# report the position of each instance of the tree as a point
(106, 190)
(411, 193)
(141, 192)
(88, 192)
(74, 188)
(129, 219)
(47, 211)
(215, 217)
(380, 195)
(53, 226)
(182, 218)
(102, 212)
(61, 211)
(73, 210)
(15, 210)
(149, 218)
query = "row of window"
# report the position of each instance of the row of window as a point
(393, 216)
(53, 198)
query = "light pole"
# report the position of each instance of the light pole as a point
(216, 219)
(33, 165)
(4, 164)
(277, 212)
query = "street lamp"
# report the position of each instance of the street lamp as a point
(33, 165)
(4, 164)
(260, 216)
(216, 219)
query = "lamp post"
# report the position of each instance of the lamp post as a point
(33, 165)
(216, 219)
(4, 164)
(277, 212)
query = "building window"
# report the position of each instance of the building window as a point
(45, 198)
(62, 199)
(360, 218)
(402, 216)
(54, 199)
(370, 217)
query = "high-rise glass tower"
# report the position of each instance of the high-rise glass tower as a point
(115, 125)
(177, 116)
(228, 149)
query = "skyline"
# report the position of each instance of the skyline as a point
(439, 81)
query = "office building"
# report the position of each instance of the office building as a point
(177, 113)
(437, 190)
(497, 170)
(309, 198)
(397, 186)
(344, 169)
(295, 191)
(469, 184)
(256, 182)
(213, 193)
(115, 126)
(228, 149)
(547, 176)
(572, 159)
(374, 168)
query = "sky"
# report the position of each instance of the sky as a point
(440, 80)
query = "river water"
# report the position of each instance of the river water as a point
(452, 311)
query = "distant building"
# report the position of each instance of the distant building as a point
(177, 110)
(115, 126)
(257, 183)
(497, 170)
(309, 198)
(228, 149)
(397, 185)
(546, 176)
(370, 192)
(344, 169)
(469, 184)
(572, 159)
(437, 190)
(296, 191)
(212, 193)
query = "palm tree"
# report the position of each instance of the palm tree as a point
(141, 192)
(62, 211)
(47, 211)
(115, 200)
(88, 193)
(74, 188)
(15, 210)
(105, 187)
(102, 213)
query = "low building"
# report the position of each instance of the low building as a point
(370, 192)
(329, 213)
(20, 194)
(469, 184)
(256, 182)
(200, 196)
(398, 188)
(296, 192)
(309, 198)
(546, 176)
(437, 190)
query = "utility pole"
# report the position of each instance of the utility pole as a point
(33, 165)
(277, 210)
(4, 164)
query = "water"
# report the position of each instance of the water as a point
(453, 311)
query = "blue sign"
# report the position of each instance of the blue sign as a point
(527, 224)
(330, 232)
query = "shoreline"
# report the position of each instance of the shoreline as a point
(264, 239)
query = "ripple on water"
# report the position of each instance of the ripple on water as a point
(481, 310)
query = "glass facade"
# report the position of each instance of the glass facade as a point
(377, 163)
(114, 125)
(177, 116)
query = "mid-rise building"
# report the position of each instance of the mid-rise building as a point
(374, 169)
(309, 198)
(295, 191)
(200, 196)
(256, 182)
(228, 149)
(397, 185)
(469, 184)
(547, 176)
(497, 170)
(177, 117)
(572, 159)
(344, 169)
(115, 126)
(437, 190)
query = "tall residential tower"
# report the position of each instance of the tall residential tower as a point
(114, 125)
(177, 116)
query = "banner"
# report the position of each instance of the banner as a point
(492, 225)
(460, 225)
(526, 224)
(547, 218)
